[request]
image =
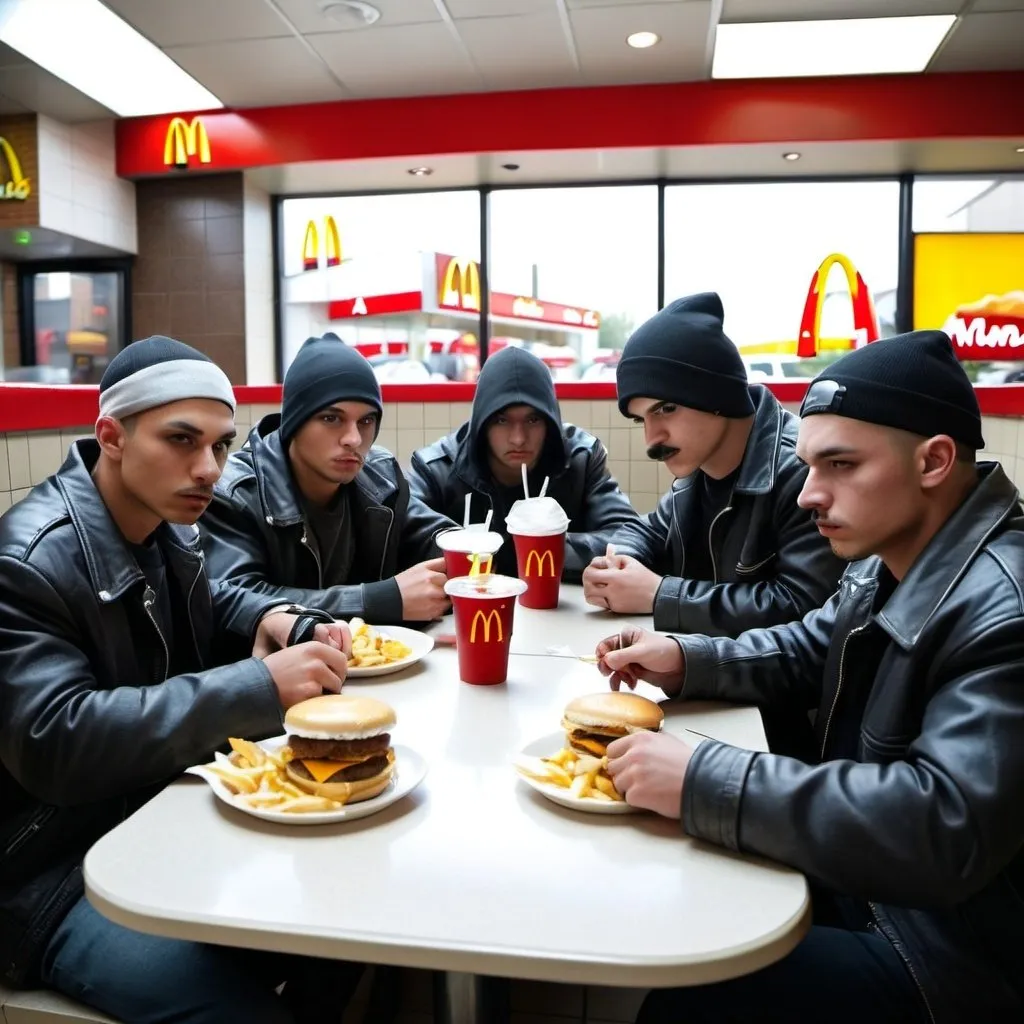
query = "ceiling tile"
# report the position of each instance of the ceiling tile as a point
(499, 8)
(812, 10)
(181, 22)
(984, 42)
(44, 93)
(259, 72)
(600, 34)
(306, 17)
(520, 52)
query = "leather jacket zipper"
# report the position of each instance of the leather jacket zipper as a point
(894, 942)
(387, 537)
(711, 550)
(188, 610)
(316, 558)
(24, 834)
(839, 687)
(148, 599)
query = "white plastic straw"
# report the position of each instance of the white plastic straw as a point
(544, 488)
(465, 518)
(487, 521)
(526, 490)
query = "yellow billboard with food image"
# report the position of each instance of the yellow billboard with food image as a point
(971, 286)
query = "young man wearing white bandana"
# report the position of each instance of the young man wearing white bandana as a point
(110, 687)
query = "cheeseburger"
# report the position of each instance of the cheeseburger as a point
(595, 720)
(340, 747)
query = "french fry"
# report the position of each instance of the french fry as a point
(249, 751)
(236, 781)
(304, 804)
(584, 775)
(370, 647)
(604, 785)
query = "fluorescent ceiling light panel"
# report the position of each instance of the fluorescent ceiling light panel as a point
(858, 46)
(101, 55)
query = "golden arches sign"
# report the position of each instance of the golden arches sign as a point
(17, 185)
(460, 286)
(865, 319)
(486, 620)
(311, 244)
(186, 139)
(537, 560)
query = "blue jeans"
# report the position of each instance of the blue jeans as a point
(145, 979)
(834, 975)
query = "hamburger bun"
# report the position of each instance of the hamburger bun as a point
(594, 720)
(339, 747)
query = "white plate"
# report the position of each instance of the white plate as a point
(420, 643)
(410, 770)
(545, 747)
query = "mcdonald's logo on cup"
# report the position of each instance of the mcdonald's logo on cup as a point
(486, 620)
(17, 185)
(311, 244)
(537, 560)
(186, 139)
(460, 285)
(865, 320)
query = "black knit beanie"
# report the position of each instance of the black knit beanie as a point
(325, 370)
(912, 382)
(682, 355)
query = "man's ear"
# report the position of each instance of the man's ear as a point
(937, 457)
(111, 435)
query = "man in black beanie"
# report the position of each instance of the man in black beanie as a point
(311, 511)
(727, 548)
(907, 820)
(110, 642)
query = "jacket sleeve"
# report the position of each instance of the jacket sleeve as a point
(605, 510)
(928, 830)
(238, 563)
(804, 574)
(419, 524)
(646, 538)
(69, 738)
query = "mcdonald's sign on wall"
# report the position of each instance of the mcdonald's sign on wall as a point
(311, 244)
(19, 171)
(865, 320)
(185, 141)
(458, 283)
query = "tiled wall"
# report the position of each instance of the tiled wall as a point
(260, 358)
(27, 459)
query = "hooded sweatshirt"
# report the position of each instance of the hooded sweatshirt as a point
(576, 463)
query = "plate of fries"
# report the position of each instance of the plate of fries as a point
(251, 779)
(575, 780)
(378, 652)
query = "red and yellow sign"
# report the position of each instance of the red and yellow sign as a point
(535, 562)
(865, 320)
(186, 139)
(311, 244)
(17, 185)
(971, 286)
(485, 620)
(459, 284)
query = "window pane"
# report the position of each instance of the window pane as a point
(78, 326)
(991, 203)
(573, 271)
(370, 269)
(760, 245)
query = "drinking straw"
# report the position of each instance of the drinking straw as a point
(487, 520)
(465, 518)
(544, 488)
(474, 567)
(526, 490)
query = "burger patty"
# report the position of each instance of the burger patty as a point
(365, 770)
(339, 750)
(600, 737)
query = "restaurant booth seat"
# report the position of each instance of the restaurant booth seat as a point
(38, 1006)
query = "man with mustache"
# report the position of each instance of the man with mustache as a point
(310, 511)
(516, 422)
(110, 641)
(727, 548)
(907, 819)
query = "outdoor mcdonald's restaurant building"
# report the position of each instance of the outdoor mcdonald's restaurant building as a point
(430, 231)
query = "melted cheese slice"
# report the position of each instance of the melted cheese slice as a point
(323, 770)
(597, 749)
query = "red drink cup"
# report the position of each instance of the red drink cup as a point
(540, 561)
(459, 546)
(484, 608)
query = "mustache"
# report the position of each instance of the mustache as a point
(661, 452)
(197, 492)
(820, 520)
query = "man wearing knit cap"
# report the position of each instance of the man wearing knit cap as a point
(311, 511)
(727, 548)
(109, 641)
(908, 818)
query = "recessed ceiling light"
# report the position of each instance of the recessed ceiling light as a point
(350, 13)
(420, 172)
(790, 156)
(1020, 149)
(641, 40)
(142, 80)
(854, 46)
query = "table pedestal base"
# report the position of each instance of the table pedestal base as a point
(470, 999)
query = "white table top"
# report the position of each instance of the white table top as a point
(473, 871)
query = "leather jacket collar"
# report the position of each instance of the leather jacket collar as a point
(760, 460)
(112, 569)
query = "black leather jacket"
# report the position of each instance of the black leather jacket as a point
(91, 726)
(257, 539)
(915, 806)
(771, 565)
